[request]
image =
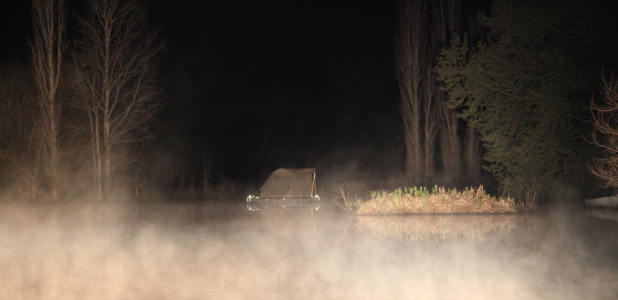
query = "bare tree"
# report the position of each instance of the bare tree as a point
(48, 47)
(605, 135)
(446, 20)
(84, 100)
(20, 149)
(424, 28)
(412, 56)
(115, 69)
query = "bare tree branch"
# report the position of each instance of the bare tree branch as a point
(605, 121)
(20, 147)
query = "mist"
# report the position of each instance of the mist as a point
(213, 250)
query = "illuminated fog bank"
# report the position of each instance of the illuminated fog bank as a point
(200, 251)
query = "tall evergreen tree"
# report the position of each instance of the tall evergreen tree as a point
(524, 88)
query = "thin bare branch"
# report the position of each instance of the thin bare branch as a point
(605, 136)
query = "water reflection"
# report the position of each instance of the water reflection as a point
(290, 222)
(438, 227)
(603, 213)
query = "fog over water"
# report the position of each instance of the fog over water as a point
(209, 250)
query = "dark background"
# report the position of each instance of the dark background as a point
(265, 84)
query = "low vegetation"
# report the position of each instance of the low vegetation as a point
(345, 200)
(437, 201)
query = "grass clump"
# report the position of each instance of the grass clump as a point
(420, 200)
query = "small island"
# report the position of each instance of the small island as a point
(438, 200)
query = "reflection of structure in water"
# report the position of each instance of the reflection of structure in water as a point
(604, 213)
(289, 222)
(287, 188)
(434, 227)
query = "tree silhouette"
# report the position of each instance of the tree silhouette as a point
(116, 91)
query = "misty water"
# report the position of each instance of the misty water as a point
(212, 250)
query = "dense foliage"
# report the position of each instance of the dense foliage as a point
(525, 88)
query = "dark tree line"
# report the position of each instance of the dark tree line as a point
(526, 86)
(77, 119)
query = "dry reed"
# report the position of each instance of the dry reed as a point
(437, 201)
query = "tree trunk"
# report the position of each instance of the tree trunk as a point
(48, 48)
(431, 120)
(450, 144)
(472, 153)
(107, 159)
(96, 154)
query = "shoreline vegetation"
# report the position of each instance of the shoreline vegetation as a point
(439, 200)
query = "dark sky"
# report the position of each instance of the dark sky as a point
(267, 84)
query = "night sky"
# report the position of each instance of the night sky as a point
(266, 84)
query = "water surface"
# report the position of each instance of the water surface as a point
(217, 251)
